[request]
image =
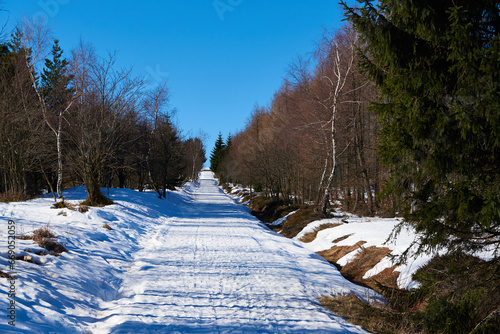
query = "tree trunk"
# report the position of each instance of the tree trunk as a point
(59, 161)
(362, 163)
(326, 196)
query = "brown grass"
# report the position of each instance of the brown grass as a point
(309, 237)
(53, 247)
(5, 275)
(45, 239)
(337, 252)
(11, 196)
(106, 226)
(83, 208)
(364, 261)
(42, 233)
(341, 238)
(374, 318)
(296, 222)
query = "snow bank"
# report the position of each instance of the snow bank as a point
(375, 231)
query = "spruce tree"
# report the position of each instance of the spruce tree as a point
(216, 155)
(437, 65)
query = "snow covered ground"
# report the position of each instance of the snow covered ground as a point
(194, 263)
(375, 231)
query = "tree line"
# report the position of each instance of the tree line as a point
(316, 142)
(397, 111)
(67, 121)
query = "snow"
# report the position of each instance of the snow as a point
(376, 232)
(196, 262)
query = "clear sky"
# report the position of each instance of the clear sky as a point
(220, 57)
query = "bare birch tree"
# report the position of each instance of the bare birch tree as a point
(35, 38)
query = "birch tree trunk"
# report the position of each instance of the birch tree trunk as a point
(59, 161)
(326, 196)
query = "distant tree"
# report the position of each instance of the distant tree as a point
(194, 153)
(165, 159)
(437, 65)
(217, 153)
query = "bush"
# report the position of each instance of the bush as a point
(463, 291)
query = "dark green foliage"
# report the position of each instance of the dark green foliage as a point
(437, 64)
(167, 161)
(56, 81)
(217, 154)
(462, 292)
(444, 316)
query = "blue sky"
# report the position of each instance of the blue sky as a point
(220, 57)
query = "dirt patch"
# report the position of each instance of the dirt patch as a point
(341, 239)
(337, 252)
(309, 237)
(364, 261)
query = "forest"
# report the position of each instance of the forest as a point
(74, 118)
(396, 113)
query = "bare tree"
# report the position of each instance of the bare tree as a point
(195, 155)
(35, 38)
(103, 114)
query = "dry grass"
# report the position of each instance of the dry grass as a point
(42, 233)
(53, 247)
(364, 261)
(342, 238)
(337, 252)
(296, 222)
(309, 237)
(11, 196)
(106, 226)
(5, 275)
(374, 318)
(45, 239)
(83, 208)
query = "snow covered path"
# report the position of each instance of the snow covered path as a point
(207, 267)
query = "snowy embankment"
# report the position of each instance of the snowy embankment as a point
(196, 262)
(375, 232)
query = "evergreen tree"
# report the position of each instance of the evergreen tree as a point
(216, 155)
(55, 80)
(437, 64)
